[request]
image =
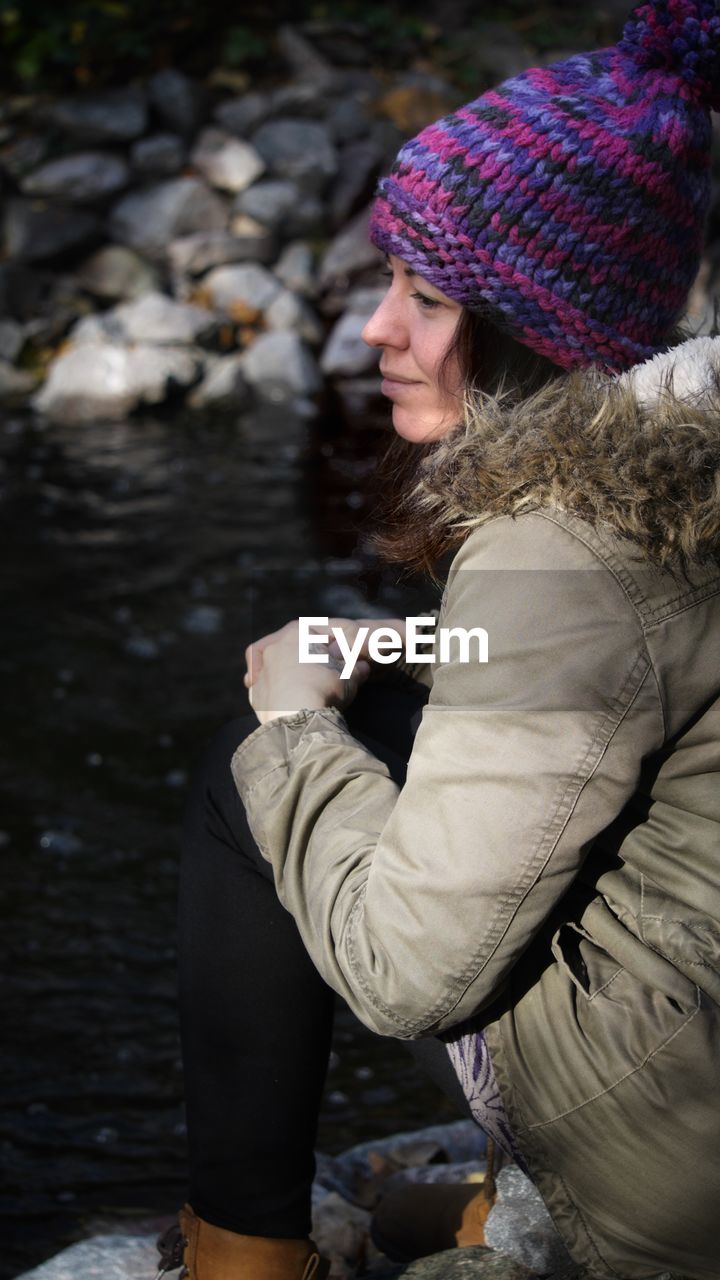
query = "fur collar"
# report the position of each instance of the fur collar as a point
(639, 453)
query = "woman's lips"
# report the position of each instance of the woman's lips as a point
(391, 386)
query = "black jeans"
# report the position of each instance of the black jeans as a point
(256, 1017)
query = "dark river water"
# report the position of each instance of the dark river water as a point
(138, 561)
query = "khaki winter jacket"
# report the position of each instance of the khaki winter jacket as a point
(552, 862)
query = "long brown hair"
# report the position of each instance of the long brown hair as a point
(490, 362)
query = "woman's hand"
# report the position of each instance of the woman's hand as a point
(279, 683)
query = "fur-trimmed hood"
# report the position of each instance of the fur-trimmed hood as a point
(640, 453)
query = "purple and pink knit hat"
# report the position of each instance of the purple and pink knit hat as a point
(568, 204)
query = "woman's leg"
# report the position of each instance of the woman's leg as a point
(256, 1017)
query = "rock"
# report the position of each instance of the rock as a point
(23, 155)
(223, 387)
(147, 220)
(177, 100)
(280, 366)
(299, 150)
(360, 165)
(303, 59)
(153, 318)
(253, 240)
(289, 312)
(192, 255)
(12, 340)
(160, 155)
(242, 292)
(520, 1226)
(80, 178)
(282, 207)
(241, 115)
(118, 115)
(306, 100)
(296, 268)
(347, 120)
(471, 1263)
(341, 1231)
(345, 354)
(105, 1257)
(35, 232)
(116, 274)
(226, 162)
(15, 384)
(112, 381)
(350, 252)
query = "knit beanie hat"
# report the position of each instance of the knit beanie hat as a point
(568, 204)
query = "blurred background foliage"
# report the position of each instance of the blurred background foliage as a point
(60, 45)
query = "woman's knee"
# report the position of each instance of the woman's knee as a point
(214, 810)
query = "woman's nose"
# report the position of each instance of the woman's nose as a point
(383, 329)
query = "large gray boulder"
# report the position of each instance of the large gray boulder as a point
(349, 253)
(108, 381)
(345, 355)
(34, 231)
(289, 312)
(12, 339)
(118, 115)
(282, 206)
(244, 114)
(299, 150)
(224, 385)
(280, 366)
(15, 384)
(148, 220)
(116, 274)
(226, 162)
(153, 318)
(160, 155)
(80, 178)
(192, 255)
(242, 292)
(520, 1226)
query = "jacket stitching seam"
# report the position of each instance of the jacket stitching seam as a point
(542, 1124)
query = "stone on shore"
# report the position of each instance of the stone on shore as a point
(279, 366)
(289, 312)
(35, 232)
(296, 268)
(345, 355)
(12, 339)
(160, 155)
(224, 385)
(116, 274)
(80, 178)
(243, 293)
(91, 383)
(241, 115)
(15, 384)
(118, 115)
(520, 1225)
(200, 252)
(282, 207)
(349, 253)
(299, 150)
(226, 162)
(154, 318)
(147, 220)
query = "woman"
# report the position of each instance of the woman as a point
(537, 903)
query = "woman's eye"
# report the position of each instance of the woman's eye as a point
(428, 304)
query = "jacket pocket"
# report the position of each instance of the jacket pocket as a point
(606, 1009)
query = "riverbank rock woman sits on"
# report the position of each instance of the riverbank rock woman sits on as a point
(514, 866)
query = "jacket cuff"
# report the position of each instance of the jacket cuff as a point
(270, 746)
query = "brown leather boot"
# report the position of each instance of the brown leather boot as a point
(420, 1219)
(212, 1253)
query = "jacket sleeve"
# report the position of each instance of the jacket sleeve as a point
(415, 904)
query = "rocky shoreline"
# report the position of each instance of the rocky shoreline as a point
(522, 1240)
(201, 243)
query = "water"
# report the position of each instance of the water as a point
(139, 560)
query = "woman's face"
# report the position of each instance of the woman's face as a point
(414, 325)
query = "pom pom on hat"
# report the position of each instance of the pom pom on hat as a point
(681, 37)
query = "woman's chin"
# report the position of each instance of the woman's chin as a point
(417, 428)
